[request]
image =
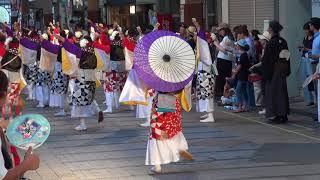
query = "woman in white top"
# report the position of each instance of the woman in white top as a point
(224, 58)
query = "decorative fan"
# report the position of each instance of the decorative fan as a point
(30, 130)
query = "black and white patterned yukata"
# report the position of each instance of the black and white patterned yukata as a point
(205, 88)
(84, 86)
(59, 87)
(30, 73)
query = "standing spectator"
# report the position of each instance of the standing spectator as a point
(315, 53)
(242, 73)
(257, 43)
(260, 85)
(276, 68)
(243, 33)
(183, 30)
(306, 68)
(224, 57)
(257, 83)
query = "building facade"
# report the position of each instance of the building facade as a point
(128, 13)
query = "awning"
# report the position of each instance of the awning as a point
(126, 2)
(138, 2)
(121, 2)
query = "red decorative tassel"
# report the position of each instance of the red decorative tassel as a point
(16, 157)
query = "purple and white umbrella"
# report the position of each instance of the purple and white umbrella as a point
(164, 61)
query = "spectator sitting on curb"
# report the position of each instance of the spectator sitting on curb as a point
(229, 94)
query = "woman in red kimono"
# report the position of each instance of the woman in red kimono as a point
(166, 142)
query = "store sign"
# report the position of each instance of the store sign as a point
(315, 8)
(4, 15)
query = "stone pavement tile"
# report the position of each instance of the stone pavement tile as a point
(69, 178)
(142, 139)
(50, 176)
(33, 175)
(98, 148)
(92, 174)
(222, 150)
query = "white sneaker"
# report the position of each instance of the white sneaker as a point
(61, 113)
(81, 127)
(40, 105)
(146, 124)
(208, 119)
(155, 169)
(262, 112)
(204, 116)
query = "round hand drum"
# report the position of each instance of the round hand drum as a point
(30, 130)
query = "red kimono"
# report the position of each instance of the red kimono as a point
(169, 122)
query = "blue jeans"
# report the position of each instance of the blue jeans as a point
(251, 98)
(241, 92)
(306, 71)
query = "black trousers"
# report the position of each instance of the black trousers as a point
(224, 69)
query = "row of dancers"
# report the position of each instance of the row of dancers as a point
(58, 61)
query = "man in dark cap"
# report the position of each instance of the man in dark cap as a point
(276, 68)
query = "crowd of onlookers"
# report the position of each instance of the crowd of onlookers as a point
(253, 67)
(237, 54)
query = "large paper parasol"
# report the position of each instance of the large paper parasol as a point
(164, 61)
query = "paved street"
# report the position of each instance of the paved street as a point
(236, 147)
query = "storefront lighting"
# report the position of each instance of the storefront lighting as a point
(132, 9)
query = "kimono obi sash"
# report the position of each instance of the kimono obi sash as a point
(88, 60)
(11, 62)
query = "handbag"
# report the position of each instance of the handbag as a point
(166, 103)
(254, 78)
